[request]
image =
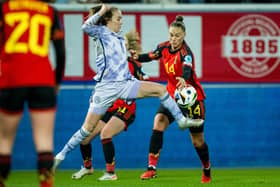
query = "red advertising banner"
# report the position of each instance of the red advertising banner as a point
(241, 47)
(228, 47)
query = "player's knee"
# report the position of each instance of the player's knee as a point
(198, 143)
(88, 126)
(162, 90)
(105, 134)
(159, 90)
(85, 141)
(160, 122)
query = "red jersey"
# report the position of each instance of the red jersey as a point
(173, 62)
(27, 26)
(135, 69)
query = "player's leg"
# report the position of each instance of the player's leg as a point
(197, 137)
(80, 135)
(148, 89)
(42, 107)
(97, 108)
(11, 107)
(43, 126)
(8, 127)
(201, 148)
(113, 127)
(86, 152)
(123, 117)
(162, 119)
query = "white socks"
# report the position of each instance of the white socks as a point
(172, 106)
(74, 141)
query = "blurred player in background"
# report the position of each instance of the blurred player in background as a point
(113, 78)
(26, 28)
(179, 65)
(117, 118)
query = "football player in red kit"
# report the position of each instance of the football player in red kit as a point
(26, 75)
(178, 61)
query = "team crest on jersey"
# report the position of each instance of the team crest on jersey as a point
(97, 99)
(251, 46)
(188, 60)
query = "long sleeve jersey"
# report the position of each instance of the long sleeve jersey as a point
(111, 58)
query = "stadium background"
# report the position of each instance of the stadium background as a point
(242, 112)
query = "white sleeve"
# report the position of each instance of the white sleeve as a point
(89, 26)
(92, 19)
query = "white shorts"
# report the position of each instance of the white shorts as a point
(105, 94)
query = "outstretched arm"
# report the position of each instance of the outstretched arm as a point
(145, 57)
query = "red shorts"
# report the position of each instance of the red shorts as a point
(122, 110)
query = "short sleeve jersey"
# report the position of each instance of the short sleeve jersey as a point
(173, 62)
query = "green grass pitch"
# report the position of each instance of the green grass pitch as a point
(166, 178)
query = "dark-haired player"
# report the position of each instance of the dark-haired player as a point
(178, 61)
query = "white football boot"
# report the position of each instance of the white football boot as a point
(108, 177)
(82, 172)
(57, 161)
(186, 122)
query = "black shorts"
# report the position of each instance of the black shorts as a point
(197, 111)
(122, 113)
(13, 99)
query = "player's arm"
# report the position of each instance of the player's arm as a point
(187, 62)
(58, 41)
(147, 57)
(91, 23)
(187, 66)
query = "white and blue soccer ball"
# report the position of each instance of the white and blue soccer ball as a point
(186, 96)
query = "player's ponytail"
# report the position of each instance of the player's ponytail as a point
(133, 41)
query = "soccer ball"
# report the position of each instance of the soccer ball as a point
(186, 96)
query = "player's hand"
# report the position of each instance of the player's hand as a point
(94, 9)
(104, 9)
(134, 54)
(181, 82)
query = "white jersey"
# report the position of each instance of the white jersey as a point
(111, 59)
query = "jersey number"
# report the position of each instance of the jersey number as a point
(122, 109)
(170, 69)
(22, 23)
(194, 111)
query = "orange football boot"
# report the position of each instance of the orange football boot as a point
(204, 178)
(149, 174)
